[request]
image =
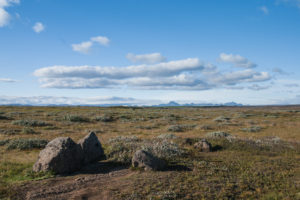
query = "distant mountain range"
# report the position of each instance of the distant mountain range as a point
(173, 103)
(170, 104)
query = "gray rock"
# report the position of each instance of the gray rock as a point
(146, 160)
(92, 149)
(62, 155)
(203, 146)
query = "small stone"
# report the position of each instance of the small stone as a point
(203, 146)
(144, 159)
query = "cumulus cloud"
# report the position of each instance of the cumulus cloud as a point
(187, 74)
(279, 71)
(292, 85)
(85, 47)
(264, 9)
(146, 58)
(52, 100)
(236, 60)
(233, 78)
(101, 40)
(258, 87)
(160, 69)
(38, 27)
(4, 15)
(7, 80)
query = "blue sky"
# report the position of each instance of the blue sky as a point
(55, 51)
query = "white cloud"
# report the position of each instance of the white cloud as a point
(160, 69)
(279, 71)
(83, 47)
(264, 9)
(4, 15)
(258, 87)
(38, 27)
(101, 40)
(187, 74)
(233, 78)
(236, 60)
(7, 80)
(146, 58)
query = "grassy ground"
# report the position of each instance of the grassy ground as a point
(262, 162)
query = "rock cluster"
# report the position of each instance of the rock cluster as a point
(62, 155)
(144, 159)
(203, 146)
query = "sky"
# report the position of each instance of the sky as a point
(149, 52)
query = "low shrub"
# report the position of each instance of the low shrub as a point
(9, 131)
(218, 134)
(26, 144)
(76, 118)
(2, 117)
(252, 129)
(121, 149)
(105, 118)
(29, 122)
(163, 149)
(180, 128)
(4, 142)
(167, 136)
(27, 130)
(222, 119)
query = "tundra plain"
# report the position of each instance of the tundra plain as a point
(255, 152)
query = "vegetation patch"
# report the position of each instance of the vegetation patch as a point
(25, 144)
(76, 118)
(121, 149)
(180, 128)
(9, 131)
(252, 129)
(105, 118)
(29, 122)
(218, 134)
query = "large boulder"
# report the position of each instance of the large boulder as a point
(146, 160)
(92, 149)
(203, 146)
(62, 156)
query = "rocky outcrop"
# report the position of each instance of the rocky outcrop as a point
(92, 148)
(144, 159)
(203, 146)
(62, 155)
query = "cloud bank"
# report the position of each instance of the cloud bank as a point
(7, 80)
(4, 15)
(186, 74)
(236, 60)
(52, 100)
(146, 58)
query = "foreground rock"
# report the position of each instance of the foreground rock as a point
(91, 147)
(146, 160)
(62, 155)
(203, 146)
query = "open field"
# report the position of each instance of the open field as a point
(260, 159)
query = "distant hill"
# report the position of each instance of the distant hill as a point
(170, 104)
(173, 103)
